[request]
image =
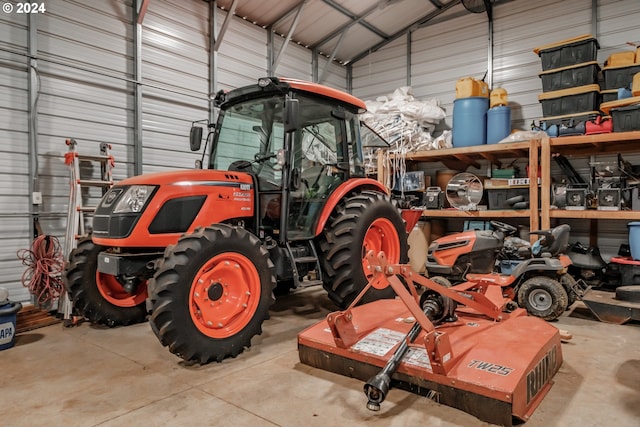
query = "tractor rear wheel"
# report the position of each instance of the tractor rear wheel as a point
(361, 222)
(101, 298)
(543, 297)
(211, 293)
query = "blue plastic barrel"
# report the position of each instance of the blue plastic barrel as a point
(470, 121)
(498, 124)
(634, 240)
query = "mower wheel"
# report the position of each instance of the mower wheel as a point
(543, 297)
(569, 283)
(359, 223)
(630, 293)
(211, 293)
(101, 298)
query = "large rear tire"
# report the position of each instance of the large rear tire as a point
(543, 297)
(211, 293)
(101, 298)
(361, 222)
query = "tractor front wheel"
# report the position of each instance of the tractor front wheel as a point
(362, 222)
(543, 297)
(211, 293)
(101, 298)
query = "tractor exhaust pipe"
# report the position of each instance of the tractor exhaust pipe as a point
(377, 387)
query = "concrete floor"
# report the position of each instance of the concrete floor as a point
(89, 376)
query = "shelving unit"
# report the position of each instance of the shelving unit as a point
(463, 157)
(576, 146)
(538, 151)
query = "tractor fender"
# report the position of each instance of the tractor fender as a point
(538, 264)
(340, 192)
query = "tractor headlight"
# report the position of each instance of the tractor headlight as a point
(134, 199)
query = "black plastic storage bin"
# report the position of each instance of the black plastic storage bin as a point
(626, 119)
(571, 76)
(617, 77)
(609, 95)
(580, 99)
(568, 52)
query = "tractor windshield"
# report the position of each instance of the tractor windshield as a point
(251, 131)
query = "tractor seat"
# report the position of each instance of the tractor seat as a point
(553, 242)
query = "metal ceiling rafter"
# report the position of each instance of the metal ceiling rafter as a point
(333, 55)
(294, 24)
(345, 27)
(415, 25)
(225, 25)
(354, 17)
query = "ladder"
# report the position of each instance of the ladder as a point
(77, 210)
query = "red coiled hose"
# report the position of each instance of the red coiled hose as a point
(45, 263)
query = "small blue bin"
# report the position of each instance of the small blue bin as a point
(634, 240)
(8, 314)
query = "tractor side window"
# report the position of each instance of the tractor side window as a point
(356, 157)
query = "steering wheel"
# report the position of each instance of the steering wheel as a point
(508, 229)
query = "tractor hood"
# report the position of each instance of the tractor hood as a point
(153, 210)
(187, 177)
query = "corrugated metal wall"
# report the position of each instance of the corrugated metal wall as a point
(14, 159)
(175, 75)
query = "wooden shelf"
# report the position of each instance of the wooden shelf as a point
(607, 143)
(594, 214)
(462, 157)
(454, 213)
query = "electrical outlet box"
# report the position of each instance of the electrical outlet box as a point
(36, 198)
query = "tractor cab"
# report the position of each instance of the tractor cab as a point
(298, 146)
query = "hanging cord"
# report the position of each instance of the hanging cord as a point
(43, 276)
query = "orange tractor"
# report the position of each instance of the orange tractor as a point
(284, 202)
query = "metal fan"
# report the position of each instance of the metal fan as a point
(478, 6)
(464, 191)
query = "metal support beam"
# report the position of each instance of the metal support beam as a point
(289, 35)
(490, 52)
(33, 91)
(213, 55)
(333, 55)
(594, 18)
(225, 25)
(141, 10)
(409, 34)
(137, 100)
(314, 65)
(270, 51)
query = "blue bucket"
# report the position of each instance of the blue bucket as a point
(470, 121)
(8, 324)
(634, 240)
(498, 124)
